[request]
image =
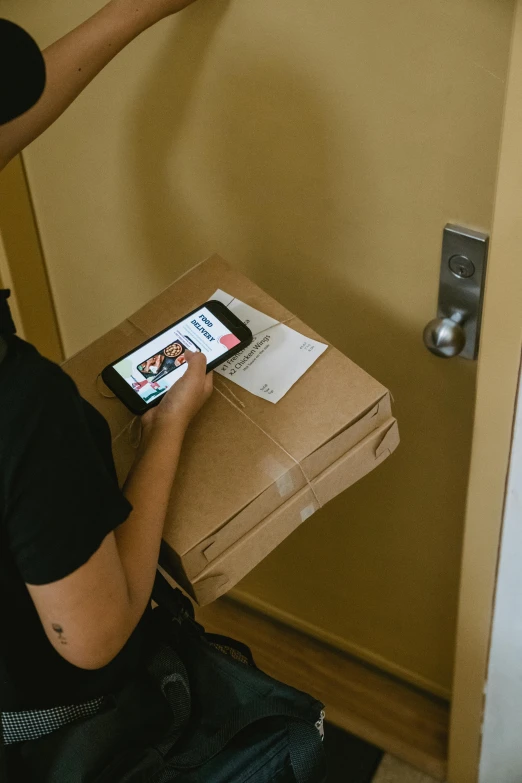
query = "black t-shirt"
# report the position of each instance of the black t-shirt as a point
(59, 498)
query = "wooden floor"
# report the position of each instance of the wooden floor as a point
(393, 770)
(409, 724)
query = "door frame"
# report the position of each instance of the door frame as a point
(22, 264)
(497, 381)
(500, 756)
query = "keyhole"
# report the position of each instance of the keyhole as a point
(461, 266)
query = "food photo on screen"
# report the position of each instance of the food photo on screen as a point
(165, 361)
(150, 368)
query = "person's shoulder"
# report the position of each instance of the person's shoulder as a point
(43, 366)
(39, 404)
(35, 382)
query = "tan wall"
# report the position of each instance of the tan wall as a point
(321, 147)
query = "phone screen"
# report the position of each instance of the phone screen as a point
(156, 366)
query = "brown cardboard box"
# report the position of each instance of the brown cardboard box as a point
(251, 471)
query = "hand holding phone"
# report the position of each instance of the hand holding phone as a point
(143, 376)
(181, 403)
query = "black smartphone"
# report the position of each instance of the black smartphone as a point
(142, 376)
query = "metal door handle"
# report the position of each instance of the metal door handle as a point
(456, 330)
(445, 337)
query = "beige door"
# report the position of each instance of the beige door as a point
(321, 147)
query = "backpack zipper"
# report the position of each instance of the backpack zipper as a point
(319, 725)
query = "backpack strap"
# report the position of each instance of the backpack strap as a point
(180, 608)
(306, 752)
(305, 743)
(168, 671)
(172, 600)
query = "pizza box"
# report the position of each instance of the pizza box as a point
(250, 471)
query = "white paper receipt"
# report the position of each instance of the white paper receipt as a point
(276, 358)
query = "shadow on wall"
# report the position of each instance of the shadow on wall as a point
(156, 125)
(266, 157)
(265, 194)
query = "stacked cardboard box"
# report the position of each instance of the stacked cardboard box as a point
(251, 472)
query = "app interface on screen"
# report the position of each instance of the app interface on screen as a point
(152, 369)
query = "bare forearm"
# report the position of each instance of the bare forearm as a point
(97, 607)
(148, 488)
(71, 63)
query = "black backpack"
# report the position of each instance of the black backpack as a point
(202, 712)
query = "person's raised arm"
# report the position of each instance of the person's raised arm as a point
(89, 615)
(74, 60)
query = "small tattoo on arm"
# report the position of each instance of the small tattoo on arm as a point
(59, 630)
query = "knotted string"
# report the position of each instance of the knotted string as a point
(102, 389)
(229, 390)
(134, 429)
(241, 405)
(270, 437)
